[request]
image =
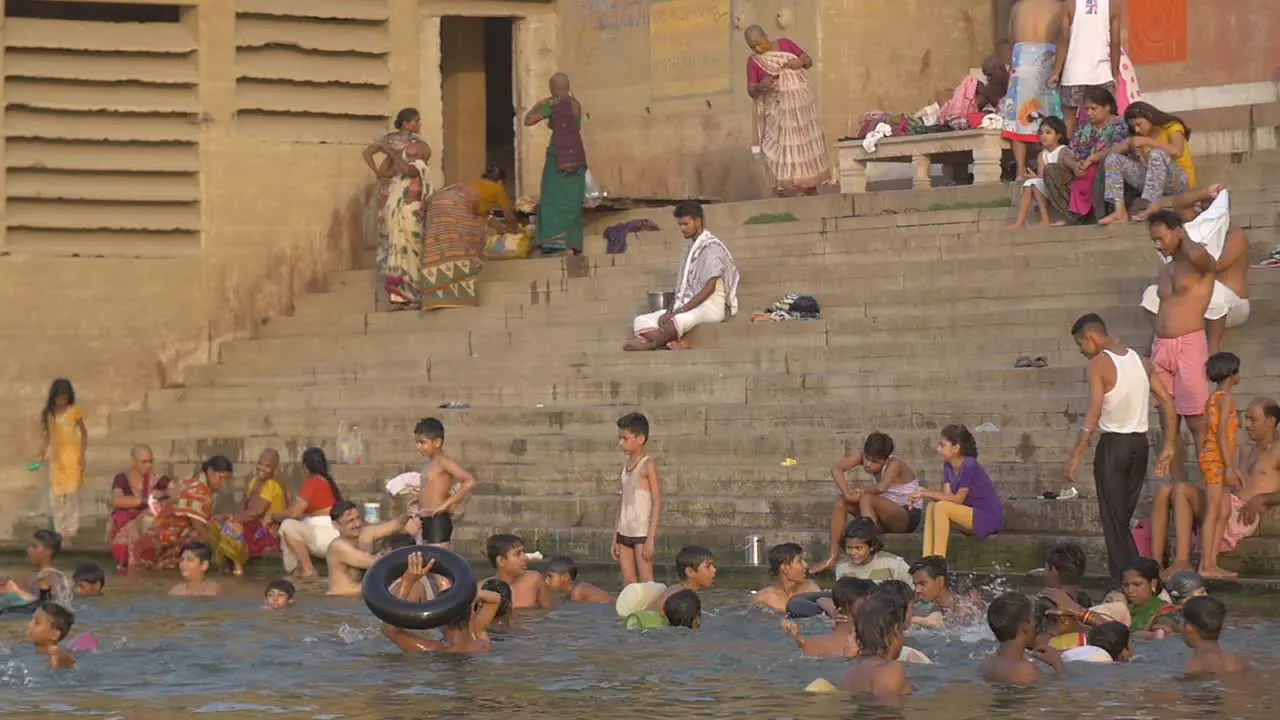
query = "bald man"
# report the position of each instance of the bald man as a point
(564, 175)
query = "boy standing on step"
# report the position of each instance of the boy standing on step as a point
(641, 506)
(437, 498)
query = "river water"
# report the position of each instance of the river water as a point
(325, 658)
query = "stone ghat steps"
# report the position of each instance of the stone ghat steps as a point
(1006, 552)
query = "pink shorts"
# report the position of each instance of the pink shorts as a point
(1236, 530)
(1179, 363)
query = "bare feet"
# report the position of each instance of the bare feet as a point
(1017, 226)
(1044, 223)
(1174, 569)
(637, 346)
(679, 345)
(1218, 574)
(1024, 175)
(1059, 223)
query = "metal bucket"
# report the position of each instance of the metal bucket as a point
(372, 512)
(661, 300)
(753, 550)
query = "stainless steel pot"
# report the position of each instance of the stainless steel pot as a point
(661, 300)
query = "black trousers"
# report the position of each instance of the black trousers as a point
(1119, 471)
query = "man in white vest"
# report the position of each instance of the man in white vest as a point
(1088, 52)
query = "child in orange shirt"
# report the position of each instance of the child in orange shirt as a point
(1218, 460)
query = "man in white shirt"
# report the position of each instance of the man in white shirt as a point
(1088, 52)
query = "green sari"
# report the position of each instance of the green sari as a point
(559, 221)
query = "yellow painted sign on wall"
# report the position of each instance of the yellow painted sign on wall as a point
(689, 44)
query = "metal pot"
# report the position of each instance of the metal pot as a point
(661, 300)
(753, 550)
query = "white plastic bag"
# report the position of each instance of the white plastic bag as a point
(593, 190)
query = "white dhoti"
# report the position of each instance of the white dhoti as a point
(711, 311)
(1224, 303)
(316, 532)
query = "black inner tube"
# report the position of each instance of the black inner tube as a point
(441, 610)
(806, 604)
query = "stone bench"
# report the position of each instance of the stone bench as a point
(953, 150)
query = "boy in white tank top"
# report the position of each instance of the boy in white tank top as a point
(641, 505)
(1088, 53)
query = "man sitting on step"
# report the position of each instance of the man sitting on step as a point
(707, 291)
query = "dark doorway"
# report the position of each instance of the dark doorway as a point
(477, 97)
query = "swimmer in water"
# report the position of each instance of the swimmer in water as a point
(279, 594)
(502, 618)
(1064, 568)
(194, 568)
(562, 580)
(865, 556)
(696, 568)
(351, 553)
(1203, 618)
(876, 673)
(1010, 619)
(848, 595)
(89, 579)
(904, 598)
(466, 634)
(49, 626)
(790, 575)
(933, 585)
(41, 552)
(506, 555)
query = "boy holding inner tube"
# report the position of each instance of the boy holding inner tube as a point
(466, 634)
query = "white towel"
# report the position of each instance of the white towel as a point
(1210, 227)
(875, 136)
(404, 482)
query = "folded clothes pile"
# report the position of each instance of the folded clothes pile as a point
(790, 307)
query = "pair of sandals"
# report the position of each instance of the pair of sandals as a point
(1027, 361)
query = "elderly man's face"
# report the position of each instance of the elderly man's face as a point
(144, 462)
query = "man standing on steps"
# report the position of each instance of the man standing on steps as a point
(706, 290)
(1119, 382)
(1179, 353)
(1033, 26)
(1088, 53)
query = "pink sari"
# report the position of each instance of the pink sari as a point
(788, 126)
(120, 517)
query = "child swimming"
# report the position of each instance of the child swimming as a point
(790, 573)
(1107, 643)
(696, 568)
(848, 595)
(506, 555)
(89, 580)
(1010, 620)
(562, 579)
(194, 568)
(680, 609)
(1064, 569)
(876, 672)
(932, 582)
(279, 595)
(1203, 620)
(467, 634)
(865, 556)
(49, 626)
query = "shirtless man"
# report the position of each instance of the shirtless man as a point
(438, 499)
(790, 577)
(1261, 490)
(351, 553)
(1178, 355)
(507, 556)
(1229, 306)
(1033, 26)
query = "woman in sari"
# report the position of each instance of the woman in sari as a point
(180, 521)
(246, 535)
(1156, 159)
(132, 493)
(1092, 141)
(788, 128)
(457, 217)
(399, 205)
(564, 173)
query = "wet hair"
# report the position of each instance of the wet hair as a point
(1157, 118)
(848, 591)
(1167, 218)
(340, 508)
(1045, 623)
(50, 539)
(317, 464)
(1086, 323)
(1068, 560)
(1008, 613)
(61, 386)
(202, 551)
(430, 428)
(879, 619)
(406, 116)
(90, 573)
(636, 424)
(934, 565)
(397, 540)
(1102, 97)
(682, 608)
(1111, 636)
(1147, 569)
(1206, 614)
(864, 529)
(960, 435)
(218, 464)
(689, 558)
(1222, 366)
(499, 545)
(563, 565)
(493, 584)
(494, 173)
(283, 586)
(783, 554)
(688, 209)
(897, 591)
(1056, 124)
(877, 446)
(60, 618)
